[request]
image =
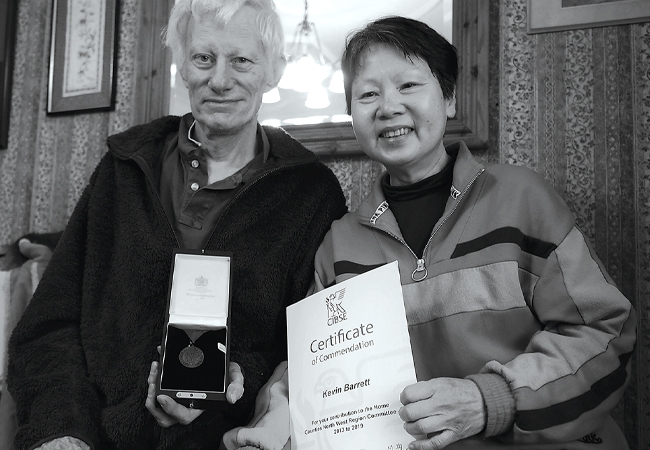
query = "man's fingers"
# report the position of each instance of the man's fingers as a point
(235, 372)
(153, 372)
(161, 417)
(180, 413)
(235, 389)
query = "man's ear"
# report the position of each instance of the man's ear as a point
(277, 70)
(181, 72)
(451, 106)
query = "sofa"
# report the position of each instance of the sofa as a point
(20, 272)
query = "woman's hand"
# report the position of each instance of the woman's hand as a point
(452, 408)
(170, 412)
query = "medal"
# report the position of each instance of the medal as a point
(191, 356)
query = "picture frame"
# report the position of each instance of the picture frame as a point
(82, 56)
(559, 15)
(8, 15)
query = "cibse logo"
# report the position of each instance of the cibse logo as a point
(335, 312)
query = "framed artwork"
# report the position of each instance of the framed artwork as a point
(8, 10)
(558, 15)
(82, 56)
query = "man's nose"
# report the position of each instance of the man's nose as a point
(221, 78)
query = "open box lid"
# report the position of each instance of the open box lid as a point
(199, 294)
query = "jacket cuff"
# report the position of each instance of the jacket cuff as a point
(499, 402)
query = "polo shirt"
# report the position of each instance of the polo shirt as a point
(192, 205)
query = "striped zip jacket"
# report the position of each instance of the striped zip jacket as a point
(510, 294)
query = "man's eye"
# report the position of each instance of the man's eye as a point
(203, 59)
(242, 63)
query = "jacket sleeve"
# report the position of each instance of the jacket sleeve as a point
(575, 369)
(47, 374)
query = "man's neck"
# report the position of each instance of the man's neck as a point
(226, 154)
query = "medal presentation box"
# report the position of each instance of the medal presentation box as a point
(194, 357)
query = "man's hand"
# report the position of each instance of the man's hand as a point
(452, 408)
(172, 413)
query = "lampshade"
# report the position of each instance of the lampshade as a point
(307, 66)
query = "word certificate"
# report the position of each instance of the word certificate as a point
(349, 360)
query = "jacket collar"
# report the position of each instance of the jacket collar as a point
(374, 210)
(146, 141)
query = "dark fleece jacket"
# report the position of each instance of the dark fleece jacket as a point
(80, 356)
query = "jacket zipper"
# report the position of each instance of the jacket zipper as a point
(145, 168)
(240, 193)
(237, 195)
(421, 272)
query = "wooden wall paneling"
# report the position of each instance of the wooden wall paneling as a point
(153, 76)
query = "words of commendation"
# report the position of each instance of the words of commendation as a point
(341, 337)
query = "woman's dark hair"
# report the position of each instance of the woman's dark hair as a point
(414, 39)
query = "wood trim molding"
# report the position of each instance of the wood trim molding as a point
(151, 94)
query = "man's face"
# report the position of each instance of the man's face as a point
(399, 113)
(226, 72)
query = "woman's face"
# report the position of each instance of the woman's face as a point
(399, 114)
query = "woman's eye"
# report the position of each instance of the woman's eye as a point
(367, 95)
(408, 85)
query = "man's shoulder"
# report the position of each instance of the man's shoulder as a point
(130, 140)
(286, 147)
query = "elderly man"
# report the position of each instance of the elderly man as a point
(213, 180)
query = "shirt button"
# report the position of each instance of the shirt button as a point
(195, 163)
(195, 186)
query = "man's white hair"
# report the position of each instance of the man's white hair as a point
(222, 11)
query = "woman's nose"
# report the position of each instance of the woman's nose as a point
(390, 104)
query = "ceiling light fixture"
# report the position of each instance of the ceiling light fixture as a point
(307, 66)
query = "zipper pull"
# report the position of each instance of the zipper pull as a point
(420, 268)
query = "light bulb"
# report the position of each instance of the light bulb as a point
(273, 96)
(317, 98)
(336, 82)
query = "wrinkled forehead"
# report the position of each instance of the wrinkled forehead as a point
(240, 30)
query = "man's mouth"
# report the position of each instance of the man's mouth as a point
(220, 100)
(395, 133)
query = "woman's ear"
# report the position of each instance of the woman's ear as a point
(451, 105)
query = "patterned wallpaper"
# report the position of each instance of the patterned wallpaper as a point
(50, 158)
(572, 105)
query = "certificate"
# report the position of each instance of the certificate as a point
(349, 360)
